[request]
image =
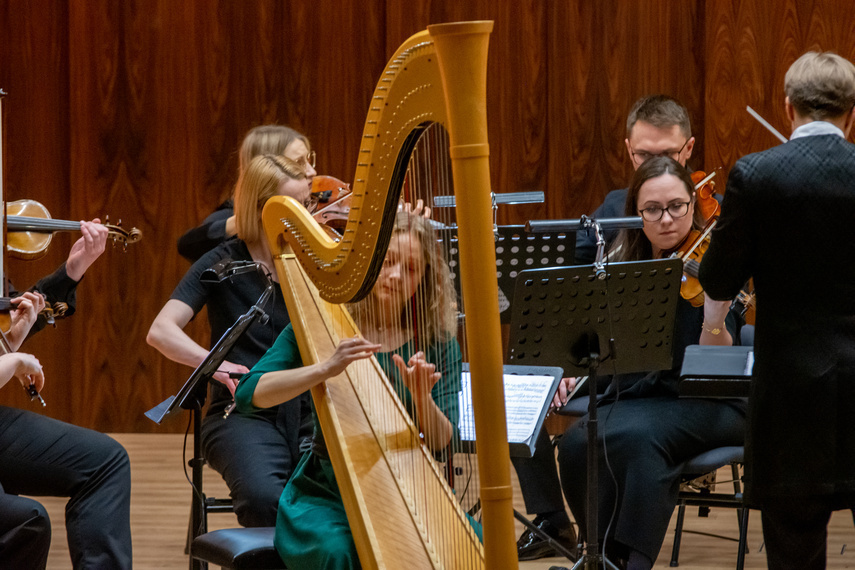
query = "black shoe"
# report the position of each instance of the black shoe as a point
(531, 547)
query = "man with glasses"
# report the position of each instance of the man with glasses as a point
(657, 125)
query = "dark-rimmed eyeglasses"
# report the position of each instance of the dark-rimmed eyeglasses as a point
(642, 156)
(655, 213)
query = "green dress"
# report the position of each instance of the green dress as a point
(311, 525)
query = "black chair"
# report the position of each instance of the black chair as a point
(698, 478)
(200, 504)
(238, 549)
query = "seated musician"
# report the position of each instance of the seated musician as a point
(649, 432)
(277, 140)
(257, 453)
(312, 530)
(40, 456)
(657, 125)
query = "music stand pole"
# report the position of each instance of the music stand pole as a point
(571, 316)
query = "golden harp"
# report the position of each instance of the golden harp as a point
(437, 76)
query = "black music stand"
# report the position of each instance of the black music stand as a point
(516, 250)
(580, 317)
(192, 394)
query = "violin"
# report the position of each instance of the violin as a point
(51, 312)
(29, 229)
(692, 250)
(336, 197)
(746, 302)
(6, 348)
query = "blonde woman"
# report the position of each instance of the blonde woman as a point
(419, 355)
(254, 453)
(277, 140)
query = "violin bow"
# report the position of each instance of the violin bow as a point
(765, 123)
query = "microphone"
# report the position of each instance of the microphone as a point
(225, 269)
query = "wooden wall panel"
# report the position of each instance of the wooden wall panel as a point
(749, 47)
(603, 56)
(516, 83)
(36, 148)
(136, 109)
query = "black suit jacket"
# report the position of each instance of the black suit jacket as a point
(788, 220)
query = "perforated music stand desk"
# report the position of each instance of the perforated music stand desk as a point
(516, 251)
(568, 317)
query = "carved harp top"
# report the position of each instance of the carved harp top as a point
(437, 76)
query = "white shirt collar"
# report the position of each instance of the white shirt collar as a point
(815, 128)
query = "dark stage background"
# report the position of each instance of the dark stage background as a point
(135, 109)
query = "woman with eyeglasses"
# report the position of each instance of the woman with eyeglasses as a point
(255, 453)
(649, 431)
(220, 225)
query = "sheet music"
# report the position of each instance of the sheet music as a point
(749, 363)
(525, 397)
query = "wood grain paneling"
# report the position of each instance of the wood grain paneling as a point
(136, 109)
(749, 47)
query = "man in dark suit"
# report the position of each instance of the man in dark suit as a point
(657, 125)
(787, 221)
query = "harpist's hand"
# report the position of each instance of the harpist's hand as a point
(418, 210)
(564, 388)
(418, 375)
(348, 350)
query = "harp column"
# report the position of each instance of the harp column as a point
(465, 87)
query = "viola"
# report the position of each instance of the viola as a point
(6, 348)
(695, 244)
(50, 313)
(29, 229)
(691, 251)
(746, 302)
(336, 197)
(328, 189)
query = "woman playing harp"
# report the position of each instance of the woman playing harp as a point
(417, 351)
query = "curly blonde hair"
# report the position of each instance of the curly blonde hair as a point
(435, 295)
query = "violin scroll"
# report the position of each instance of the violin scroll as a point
(120, 235)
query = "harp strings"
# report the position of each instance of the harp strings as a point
(423, 322)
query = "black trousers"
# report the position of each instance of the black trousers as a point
(647, 440)
(256, 454)
(40, 456)
(795, 531)
(538, 477)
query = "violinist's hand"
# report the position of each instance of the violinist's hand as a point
(347, 351)
(23, 316)
(222, 375)
(715, 312)
(565, 387)
(418, 210)
(86, 250)
(25, 367)
(418, 375)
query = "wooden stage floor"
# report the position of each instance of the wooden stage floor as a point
(161, 504)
